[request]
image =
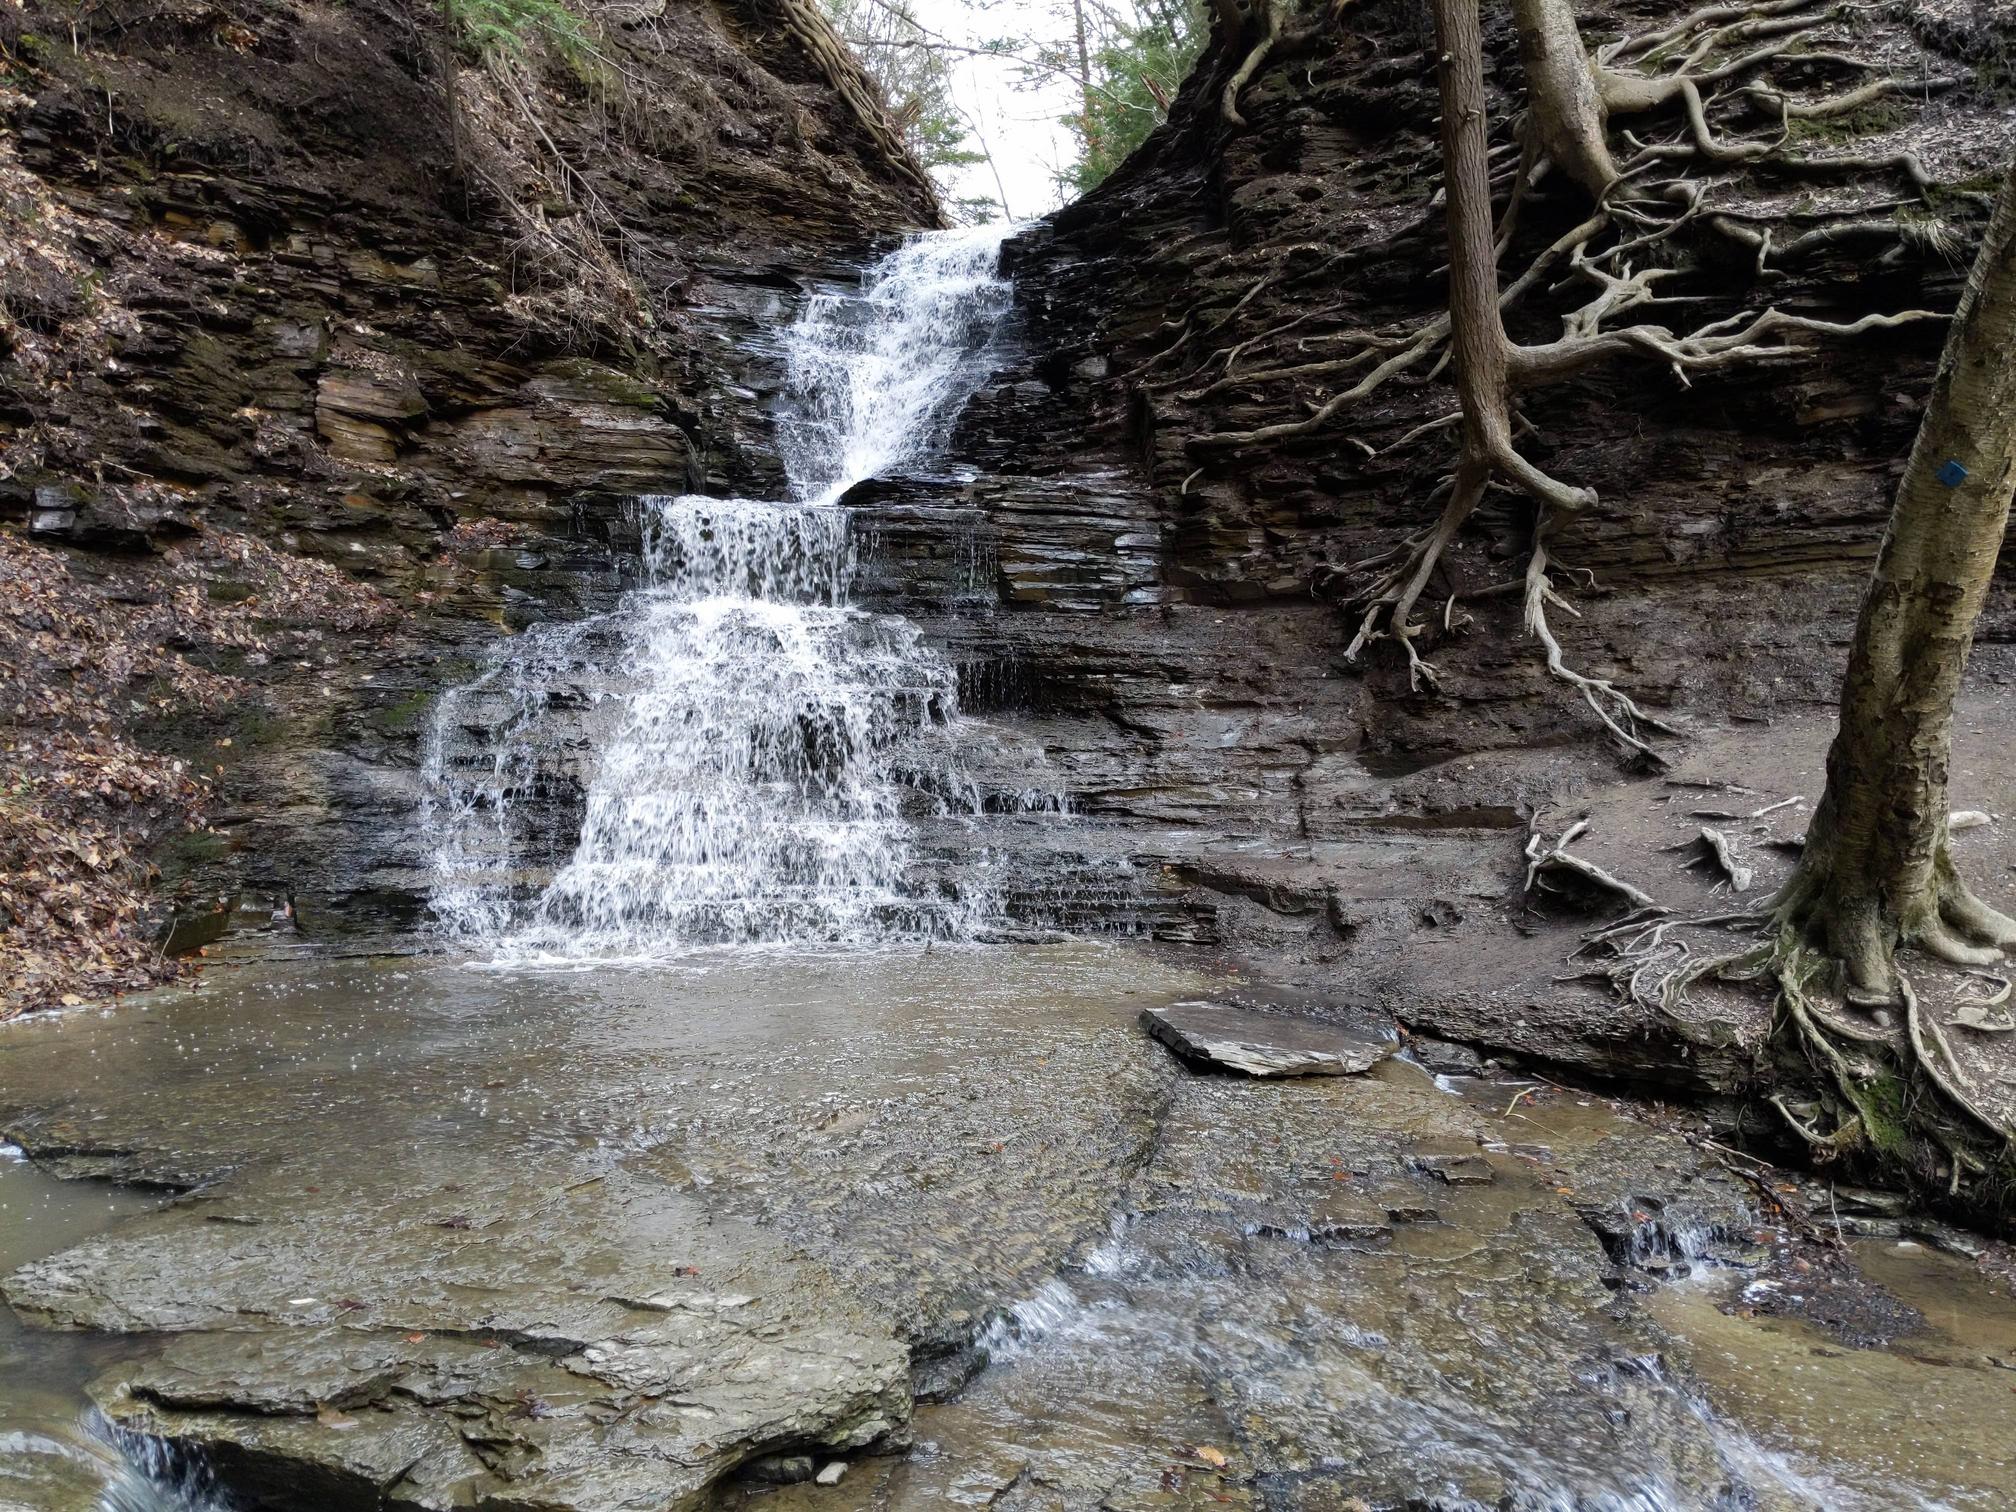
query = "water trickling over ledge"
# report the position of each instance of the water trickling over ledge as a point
(739, 752)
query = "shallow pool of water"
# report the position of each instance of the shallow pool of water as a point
(1122, 1284)
(52, 1454)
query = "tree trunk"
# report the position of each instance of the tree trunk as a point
(1477, 331)
(1085, 81)
(1564, 108)
(1876, 872)
(1487, 363)
(1477, 341)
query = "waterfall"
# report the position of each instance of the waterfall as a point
(746, 750)
(878, 378)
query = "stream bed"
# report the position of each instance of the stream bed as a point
(723, 1164)
(451, 1236)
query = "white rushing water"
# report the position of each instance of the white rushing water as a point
(879, 377)
(747, 749)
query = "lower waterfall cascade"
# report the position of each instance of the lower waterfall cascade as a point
(746, 749)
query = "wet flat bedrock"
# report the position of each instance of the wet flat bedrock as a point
(599, 1234)
(600, 1237)
(1252, 1306)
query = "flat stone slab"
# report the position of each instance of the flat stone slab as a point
(1263, 1044)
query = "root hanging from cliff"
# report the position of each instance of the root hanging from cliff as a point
(574, 245)
(1646, 196)
(1272, 37)
(1620, 714)
(578, 270)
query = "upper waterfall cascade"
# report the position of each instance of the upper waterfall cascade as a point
(749, 749)
(877, 378)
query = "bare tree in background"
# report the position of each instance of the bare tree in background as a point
(912, 66)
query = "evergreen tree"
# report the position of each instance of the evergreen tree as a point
(1141, 54)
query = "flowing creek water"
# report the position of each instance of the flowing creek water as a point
(1383, 1286)
(53, 1451)
(715, 1151)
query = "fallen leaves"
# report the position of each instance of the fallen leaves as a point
(94, 666)
(481, 533)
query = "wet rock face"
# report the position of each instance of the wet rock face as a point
(300, 283)
(650, 1407)
(1296, 1307)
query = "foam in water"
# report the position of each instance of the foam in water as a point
(147, 1476)
(745, 750)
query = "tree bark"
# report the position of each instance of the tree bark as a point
(1566, 115)
(1877, 872)
(1488, 366)
(1477, 341)
(1090, 129)
(1477, 332)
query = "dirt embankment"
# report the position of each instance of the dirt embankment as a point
(328, 341)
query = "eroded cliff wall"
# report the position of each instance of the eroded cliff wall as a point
(320, 370)
(1173, 612)
(333, 336)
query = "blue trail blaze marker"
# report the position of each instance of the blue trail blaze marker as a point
(1951, 473)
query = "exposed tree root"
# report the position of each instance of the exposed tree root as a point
(1639, 207)
(1542, 858)
(1273, 37)
(585, 260)
(1716, 847)
(1875, 874)
(1829, 106)
(1270, 33)
(1698, 23)
(808, 27)
(1620, 715)
(1890, 1088)
(1425, 343)
(1848, 920)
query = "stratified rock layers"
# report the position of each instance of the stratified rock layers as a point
(327, 351)
(1263, 1044)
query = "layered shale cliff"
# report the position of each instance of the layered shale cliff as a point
(1170, 610)
(334, 351)
(334, 337)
